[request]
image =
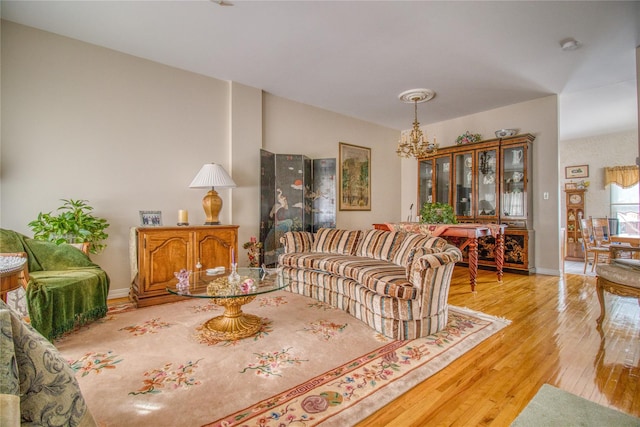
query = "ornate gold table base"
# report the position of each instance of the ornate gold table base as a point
(233, 324)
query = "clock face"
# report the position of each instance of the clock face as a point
(575, 199)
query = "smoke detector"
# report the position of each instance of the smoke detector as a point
(569, 44)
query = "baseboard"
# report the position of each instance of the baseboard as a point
(548, 272)
(118, 293)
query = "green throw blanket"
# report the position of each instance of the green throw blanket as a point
(65, 288)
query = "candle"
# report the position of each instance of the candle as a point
(233, 257)
(183, 216)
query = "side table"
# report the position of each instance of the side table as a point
(11, 268)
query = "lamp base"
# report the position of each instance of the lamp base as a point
(212, 204)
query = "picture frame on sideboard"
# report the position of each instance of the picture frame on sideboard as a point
(151, 218)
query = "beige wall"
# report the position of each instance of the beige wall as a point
(294, 128)
(127, 134)
(538, 117)
(596, 152)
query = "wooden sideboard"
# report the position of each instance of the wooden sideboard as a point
(162, 251)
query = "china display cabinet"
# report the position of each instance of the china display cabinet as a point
(489, 183)
(434, 180)
(575, 212)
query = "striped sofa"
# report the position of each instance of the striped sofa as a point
(396, 282)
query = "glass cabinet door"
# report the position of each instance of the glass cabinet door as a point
(487, 186)
(464, 184)
(514, 182)
(443, 179)
(434, 178)
(425, 182)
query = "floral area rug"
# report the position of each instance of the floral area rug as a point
(309, 364)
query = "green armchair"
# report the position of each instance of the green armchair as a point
(64, 288)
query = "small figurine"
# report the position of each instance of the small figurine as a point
(183, 280)
(246, 286)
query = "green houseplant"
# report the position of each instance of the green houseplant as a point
(437, 213)
(73, 224)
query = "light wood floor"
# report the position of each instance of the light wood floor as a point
(552, 339)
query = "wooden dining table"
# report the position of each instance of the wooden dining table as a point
(469, 232)
(632, 239)
(621, 240)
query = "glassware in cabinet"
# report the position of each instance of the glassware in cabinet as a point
(514, 179)
(487, 185)
(463, 175)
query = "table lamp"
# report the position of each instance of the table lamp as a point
(212, 175)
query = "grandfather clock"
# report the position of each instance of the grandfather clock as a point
(575, 206)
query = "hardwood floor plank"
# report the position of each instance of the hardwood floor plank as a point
(552, 339)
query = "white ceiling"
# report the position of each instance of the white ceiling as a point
(355, 57)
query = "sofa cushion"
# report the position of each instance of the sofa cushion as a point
(381, 277)
(324, 284)
(334, 241)
(298, 241)
(379, 244)
(404, 254)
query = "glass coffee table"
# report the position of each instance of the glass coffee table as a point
(233, 324)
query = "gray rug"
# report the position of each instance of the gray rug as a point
(554, 407)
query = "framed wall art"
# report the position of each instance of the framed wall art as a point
(581, 171)
(355, 178)
(151, 218)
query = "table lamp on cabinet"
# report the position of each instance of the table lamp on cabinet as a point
(212, 175)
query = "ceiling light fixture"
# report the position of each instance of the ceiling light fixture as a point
(414, 143)
(569, 44)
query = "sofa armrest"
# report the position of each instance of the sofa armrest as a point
(431, 274)
(418, 269)
(297, 241)
(418, 253)
(437, 259)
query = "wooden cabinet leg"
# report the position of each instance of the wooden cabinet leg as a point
(473, 262)
(499, 255)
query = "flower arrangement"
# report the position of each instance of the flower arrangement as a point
(468, 137)
(253, 248)
(247, 286)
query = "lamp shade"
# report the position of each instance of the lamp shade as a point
(212, 175)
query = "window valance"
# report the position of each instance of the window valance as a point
(624, 176)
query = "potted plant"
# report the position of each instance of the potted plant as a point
(437, 213)
(73, 224)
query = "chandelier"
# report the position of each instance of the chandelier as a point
(414, 143)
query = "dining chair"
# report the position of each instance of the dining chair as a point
(592, 252)
(601, 231)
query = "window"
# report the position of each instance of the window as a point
(625, 207)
